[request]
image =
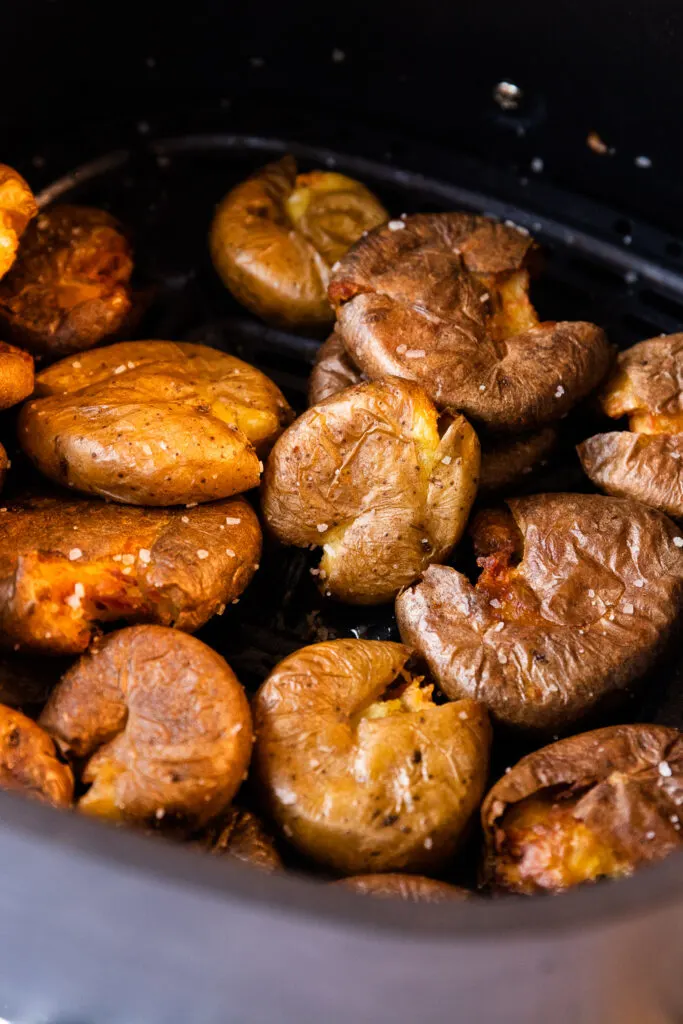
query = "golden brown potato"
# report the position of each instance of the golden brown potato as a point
(275, 236)
(70, 285)
(577, 596)
(162, 724)
(508, 461)
(28, 761)
(442, 299)
(67, 565)
(411, 888)
(595, 805)
(153, 423)
(240, 834)
(378, 481)
(16, 375)
(643, 462)
(17, 207)
(358, 766)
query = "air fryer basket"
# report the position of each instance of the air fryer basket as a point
(100, 925)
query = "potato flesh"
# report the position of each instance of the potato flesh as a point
(413, 699)
(511, 599)
(17, 207)
(620, 400)
(513, 312)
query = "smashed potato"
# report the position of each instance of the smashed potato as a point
(375, 478)
(332, 371)
(153, 423)
(643, 462)
(69, 287)
(275, 236)
(442, 299)
(17, 208)
(67, 566)
(577, 596)
(359, 767)
(162, 725)
(241, 835)
(28, 761)
(595, 805)
(16, 375)
(411, 888)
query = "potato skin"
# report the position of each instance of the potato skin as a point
(421, 303)
(28, 761)
(163, 723)
(241, 835)
(17, 208)
(332, 371)
(16, 375)
(65, 566)
(624, 785)
(321, 486)
(410, 888)
(153, 423)
(361, 794)
(602, 583)
(70, 285)
(279, 267)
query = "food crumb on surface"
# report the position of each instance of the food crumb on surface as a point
(75, 554)
(159, 813)
(236, 728)
(643, 161)
(202, 553)
(598, 145)
(396, 225)
(664, 769)
(537, 165)
(76, 364)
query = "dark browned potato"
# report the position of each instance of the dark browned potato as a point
(410, 888)
(442, 299)
(507, 461)
(643, 462)
(17, 207)
(600, 804)
(28, 761)
(69, 287)
(66, 566)
(333, 370)
(275, 236)
(16, 375)
(240, 834)
(153, 423)
(358, 766)
(162, 725)
(378, 481)
(577, 596)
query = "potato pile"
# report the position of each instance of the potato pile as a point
(521, 616)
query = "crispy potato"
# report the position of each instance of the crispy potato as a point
(28, 761)
(153, 423)
(70, 285)
(240, 834)
(643, 462)
(595, 805)
(443, 301)
(358, 766)
(162, 724)
(378, 529)
(275, 236)
(333, 370)
(17, 207)
(411, 888)
(67, 565)
(507, 461)
(577, 596)
(16, 375)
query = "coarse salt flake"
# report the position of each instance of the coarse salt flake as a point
(401, 349)
(121, 368)
(502, 658)
(415, 353)
(236, 728)
(76, 364)
(428, 843)
(230, 552)
(675, 455)
(128, 559)
(145, 555)
(664, 769)
(396, 225)
(560, 391)
(184, 519)
(163, 445)
(322, 527)
(649, 835)
(639, 584)
(485, 297)
(447, 460)
(628, 609)
(75, 554)
(678, 541)
(500, 626)
(495, 603)
(233, 520)
(202, 553)
(462, 715)
(643, 161)
(482, 387)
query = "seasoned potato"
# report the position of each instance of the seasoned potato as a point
(578, 594)
(70, 285)
(378, 481)
(276, 235)
(240, 834)
(28, 761)
(16, 375)
(595, 805)
(507, 461)
(162, 725)
(643, 462)
(153, 423)
(67, 565)
(333, 370)
(358, 766)
(411, 888)
(17, 207)
(442, 299)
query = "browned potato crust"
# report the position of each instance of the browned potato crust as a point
(577, 596)
(69, 287)
(411, 888)
(17, 207)
(507, 461)
(443, 301)
(361, 770)
(598, 804)
(162, 722)
(276, 235)
(153, 423)
(66, 566)
(373, 477)
(28, 762)
(16, 375)
(643, 462)
(240, 834)
(333, 370)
